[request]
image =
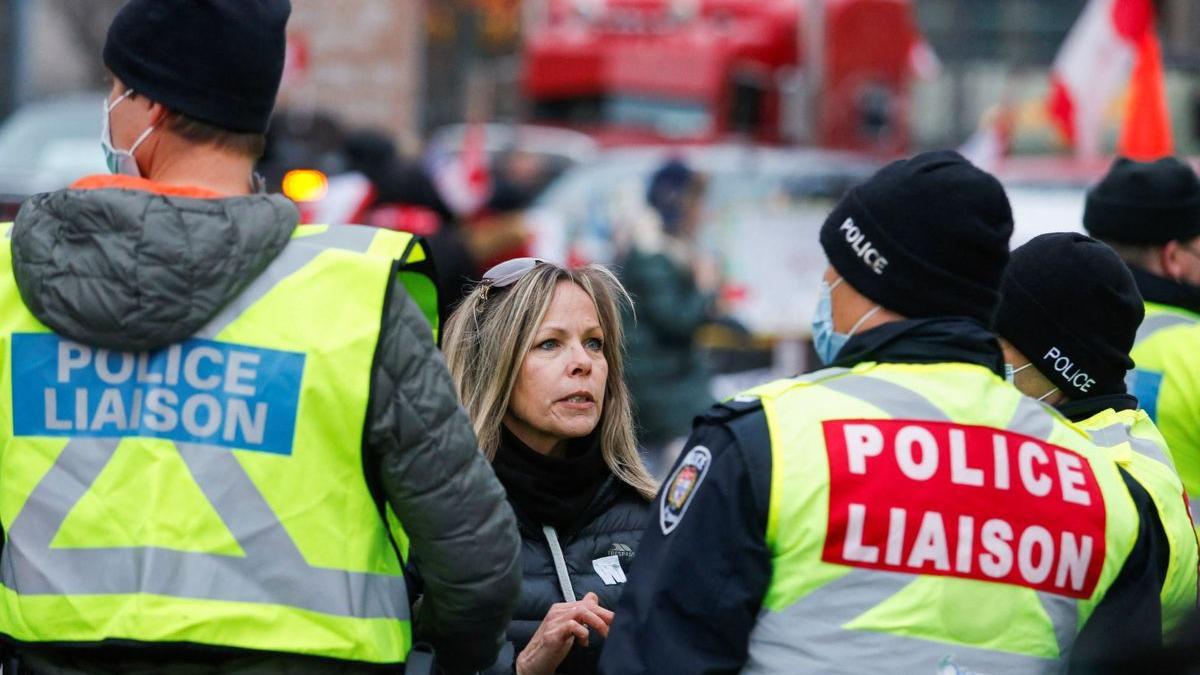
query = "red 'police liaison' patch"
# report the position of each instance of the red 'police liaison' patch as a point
(963, 501)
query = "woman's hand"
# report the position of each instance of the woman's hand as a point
(565, 623)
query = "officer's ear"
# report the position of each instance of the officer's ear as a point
(1173, 259)
(158, 113)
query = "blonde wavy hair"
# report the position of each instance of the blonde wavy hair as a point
(488, 336)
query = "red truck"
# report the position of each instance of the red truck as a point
(827, 73)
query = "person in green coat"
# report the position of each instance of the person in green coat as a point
(674, 286)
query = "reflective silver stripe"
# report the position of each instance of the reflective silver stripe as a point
(1156, 322)
(273, 571)
(814, 377)
(298, 253)
(1064, 616)
(1193, 504)
(1117, 434)
(818, 375)
(1032, 419)
(895, 400)
(560, 564)
(355, 238)
(808, 639)
(808, 636)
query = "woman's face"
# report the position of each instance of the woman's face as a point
(559, 393)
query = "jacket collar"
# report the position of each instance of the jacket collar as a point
(941, 340)
(1164, 291)
(1087, 408)
(121, 182)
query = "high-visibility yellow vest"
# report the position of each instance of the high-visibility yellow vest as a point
(928, 516)
(1137, 446)
(414, 266)
(212, 491)
(1166, 382)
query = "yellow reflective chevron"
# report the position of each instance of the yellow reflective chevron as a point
(158, 498)
(121, 488)
(823, 615)
(1139, 448)
(1166, 381)
(415, 267)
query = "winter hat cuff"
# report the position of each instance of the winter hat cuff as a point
(1129, 223)
(235, 113)
(1144, 202)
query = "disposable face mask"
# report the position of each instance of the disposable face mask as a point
(1010, 374)
(826, 341)
(120, 161)
(1046, 395)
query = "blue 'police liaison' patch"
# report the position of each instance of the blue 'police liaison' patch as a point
(198, 391)
(682, 486)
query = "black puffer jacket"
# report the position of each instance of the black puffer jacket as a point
(128, 268)
(611, 525)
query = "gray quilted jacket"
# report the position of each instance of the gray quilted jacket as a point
(133, 270)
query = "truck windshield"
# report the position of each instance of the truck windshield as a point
(670, 118)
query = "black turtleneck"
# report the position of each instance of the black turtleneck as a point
(1164, 291)
(948, 339)
(551, 490)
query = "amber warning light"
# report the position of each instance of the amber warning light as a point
(305, 185)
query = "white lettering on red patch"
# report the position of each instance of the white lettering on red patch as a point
(964, 501)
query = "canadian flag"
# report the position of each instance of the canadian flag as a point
(1093, 67)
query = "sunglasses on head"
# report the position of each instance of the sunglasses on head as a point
(509, 272)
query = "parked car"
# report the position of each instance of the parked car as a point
(49, 144)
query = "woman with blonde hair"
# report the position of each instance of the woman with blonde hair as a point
(535, 351)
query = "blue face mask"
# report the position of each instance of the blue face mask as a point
(826, 340)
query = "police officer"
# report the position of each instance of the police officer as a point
(903, 510)
(1150, 213)
(1067, 320)
(223, 435)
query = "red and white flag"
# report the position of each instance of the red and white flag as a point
(1093, 67)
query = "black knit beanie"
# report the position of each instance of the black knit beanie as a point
(216, 61)
(1144, 203)
(925, 237)
(1072, 307)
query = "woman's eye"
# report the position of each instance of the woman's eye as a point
(594, 343)
(547, 344)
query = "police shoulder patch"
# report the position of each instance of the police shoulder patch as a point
(682, 486)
